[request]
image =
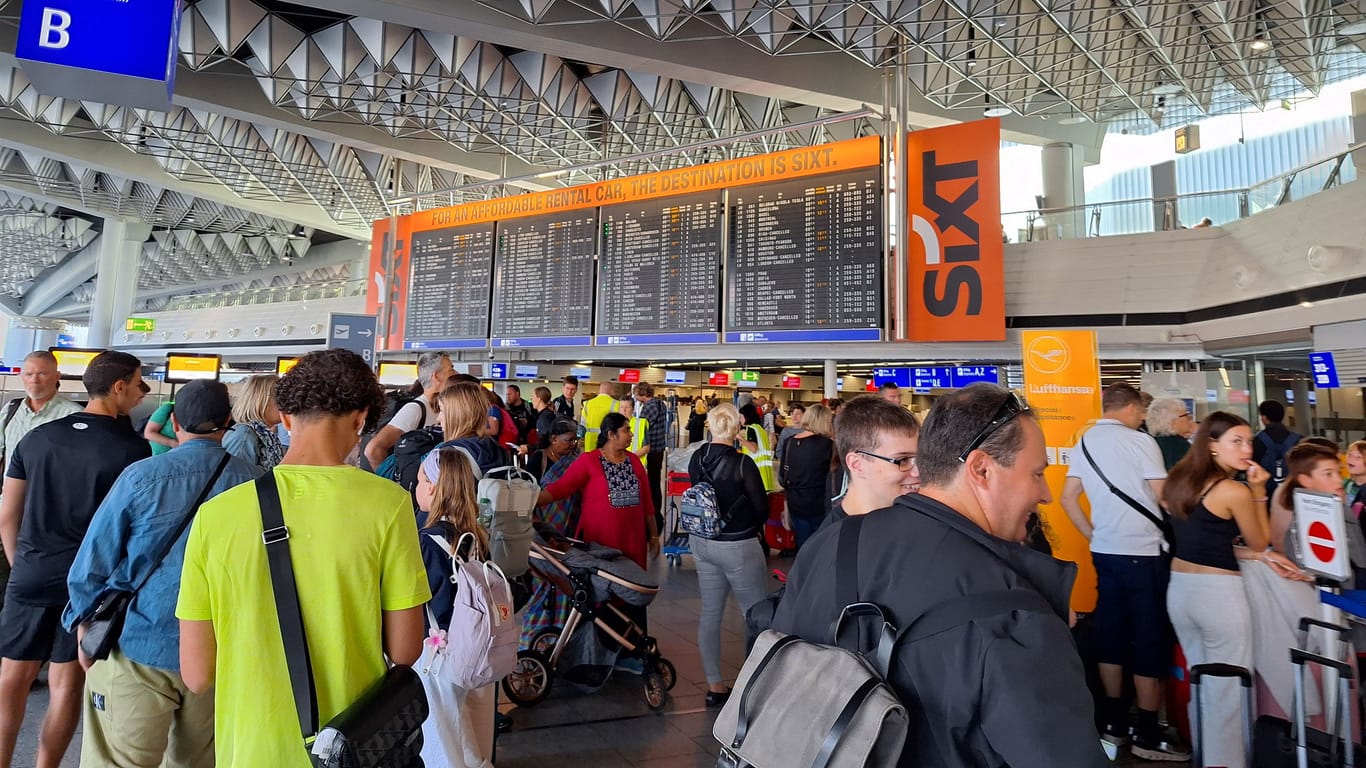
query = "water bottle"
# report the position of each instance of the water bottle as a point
(486, 513)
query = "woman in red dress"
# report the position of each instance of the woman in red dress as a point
(615, 510)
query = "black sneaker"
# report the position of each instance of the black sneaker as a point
(502, 723)
(1159, 751)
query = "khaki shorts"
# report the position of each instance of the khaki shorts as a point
(143, 717)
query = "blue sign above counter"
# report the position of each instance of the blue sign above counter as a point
(937, 377)
(1325, 370)
(108, 51)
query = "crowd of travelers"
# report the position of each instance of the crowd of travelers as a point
(380, 498)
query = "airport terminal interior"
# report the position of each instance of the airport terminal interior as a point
(775, 204)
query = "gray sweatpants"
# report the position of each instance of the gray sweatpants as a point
(1212, 620)
(724, 567)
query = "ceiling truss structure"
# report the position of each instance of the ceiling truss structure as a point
(1131, 63)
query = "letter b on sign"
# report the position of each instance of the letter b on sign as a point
(55, 31)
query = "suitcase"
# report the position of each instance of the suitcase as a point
(1281, 744)
(1244, 677)
(779, 537)
(1178, 694)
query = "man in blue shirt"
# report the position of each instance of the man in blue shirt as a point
(137, 709)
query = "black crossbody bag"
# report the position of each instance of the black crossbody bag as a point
(1162, 523)
(380, 729)
(105, 624)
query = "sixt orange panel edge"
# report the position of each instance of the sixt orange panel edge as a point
(954, 258)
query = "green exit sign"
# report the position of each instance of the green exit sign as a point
(142, 324)
(749, 376)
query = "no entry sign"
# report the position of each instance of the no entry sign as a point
(1321, 535)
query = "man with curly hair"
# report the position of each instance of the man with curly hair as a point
(360, 578)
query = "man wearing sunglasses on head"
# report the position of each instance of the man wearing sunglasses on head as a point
(993, 678)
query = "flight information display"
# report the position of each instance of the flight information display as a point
(543, 280)
(805, 260)
(659, 276)
(448, 293)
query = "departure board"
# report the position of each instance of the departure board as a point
(660, 271)
(543, 280)
(805, 260)
(448, 292)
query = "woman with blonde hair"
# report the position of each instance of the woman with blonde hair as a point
(446, 491)
(253, 438)
(732, 561)
(464, 411)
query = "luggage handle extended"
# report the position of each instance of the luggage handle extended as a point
(1342, 731)
(1343, 633)
(1244, 677)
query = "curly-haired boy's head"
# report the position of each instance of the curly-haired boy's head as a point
(333, 382)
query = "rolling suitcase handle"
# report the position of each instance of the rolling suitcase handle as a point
(1219, 670)
(1306, 622)
(1341, 724)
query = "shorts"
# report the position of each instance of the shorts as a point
(1130, 621)
(35, 633)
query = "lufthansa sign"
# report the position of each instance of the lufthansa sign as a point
(953, 256)
(120, 52)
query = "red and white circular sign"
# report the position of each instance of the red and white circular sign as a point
(1321, 542)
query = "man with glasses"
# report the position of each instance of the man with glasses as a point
(1118, 467)
(1000, 683)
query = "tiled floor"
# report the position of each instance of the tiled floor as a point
(612, 728)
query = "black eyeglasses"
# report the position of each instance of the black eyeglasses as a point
(905, 463)
(1012, 407)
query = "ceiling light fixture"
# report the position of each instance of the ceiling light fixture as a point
(1074, 120)
(1260, 44)
(998, 111)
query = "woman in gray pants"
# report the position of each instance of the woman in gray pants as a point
(733, 561)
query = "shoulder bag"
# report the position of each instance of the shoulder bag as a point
(382, 728)
(105, 623)
(1163, 525)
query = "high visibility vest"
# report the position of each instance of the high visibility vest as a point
(593, 413)
(762, 456)
(638, 428)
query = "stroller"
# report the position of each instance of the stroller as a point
(596, 579)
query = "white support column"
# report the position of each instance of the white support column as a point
(1064, 187)
(117, 279)
(1258, 386)
(831, 380)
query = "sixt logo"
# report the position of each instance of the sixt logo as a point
(961, 282)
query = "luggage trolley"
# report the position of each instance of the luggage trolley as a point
(676, 482)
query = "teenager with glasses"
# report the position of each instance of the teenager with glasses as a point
(875, 450)
(981, 462)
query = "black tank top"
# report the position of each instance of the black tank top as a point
(1204, 538)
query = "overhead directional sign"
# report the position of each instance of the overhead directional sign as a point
(140, 324)
(354, 332)
(1325, 370)
(109, 51)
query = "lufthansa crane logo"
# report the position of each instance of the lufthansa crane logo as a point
(1047, 355)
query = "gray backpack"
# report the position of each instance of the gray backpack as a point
(798, 703)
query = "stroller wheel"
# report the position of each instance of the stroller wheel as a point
(543, 642)
(530, 681)
(655, 690)
(673, 559)
(667, 673)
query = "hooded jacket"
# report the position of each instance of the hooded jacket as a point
(740, 493)
(1007, 690)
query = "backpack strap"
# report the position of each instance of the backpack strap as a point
(10, 410)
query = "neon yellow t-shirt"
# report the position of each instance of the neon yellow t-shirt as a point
(353, 541)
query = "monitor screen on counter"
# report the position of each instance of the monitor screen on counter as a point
(184, 368)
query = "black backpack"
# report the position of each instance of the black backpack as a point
(408, 454)
(1273, 460)
(394, 402)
